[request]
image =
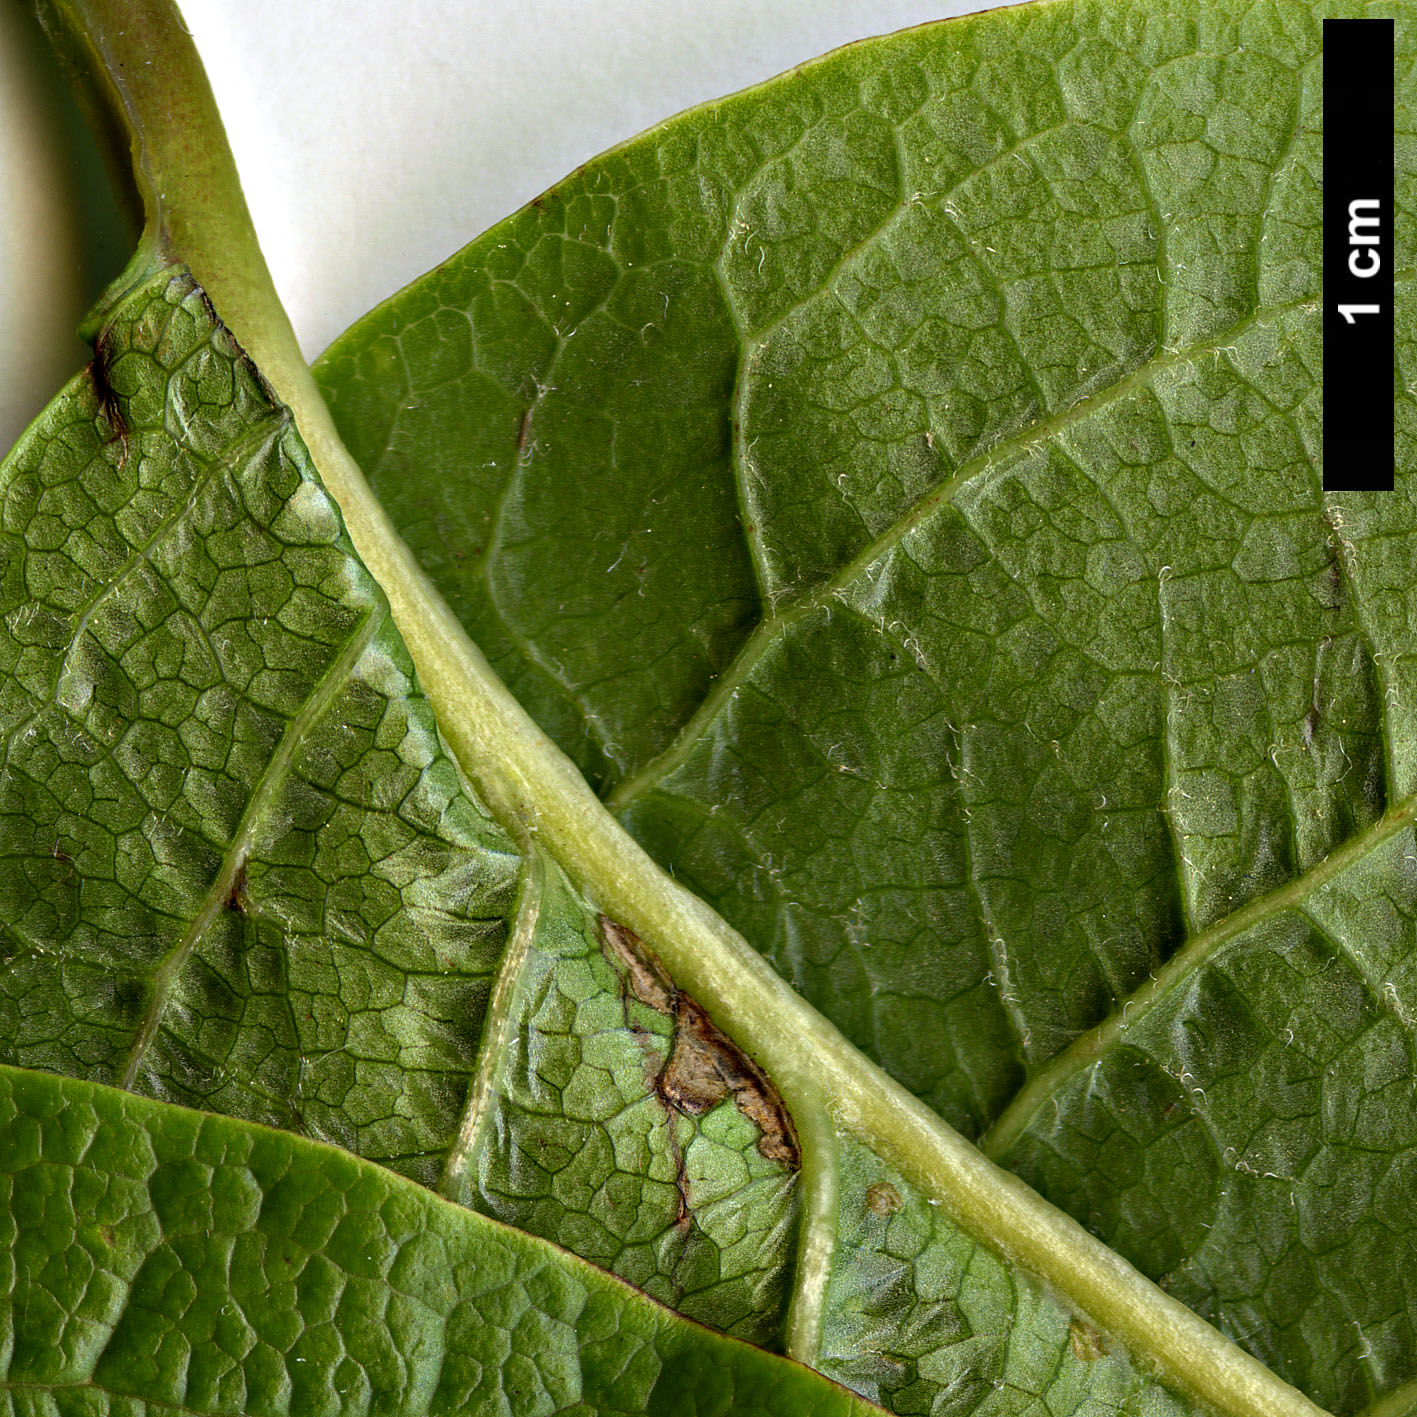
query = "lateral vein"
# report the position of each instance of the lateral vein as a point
(1084, 1050)
(533, 788)
(239, 850)
(498, 1028)
(772, 626)
(820, 1184)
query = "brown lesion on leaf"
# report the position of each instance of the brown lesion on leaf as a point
(110, 405)
(1087, 1343)
(237, 899)
(648, 984)
(224, 332)
(1332, 588)
(1309, 725)
(1334, 583)
(883, 1199)
(704, 1065)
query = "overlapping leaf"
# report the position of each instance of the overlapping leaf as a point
(241, 871)
(162, 1261)
(898, 488)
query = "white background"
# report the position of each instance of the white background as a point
(370, 147)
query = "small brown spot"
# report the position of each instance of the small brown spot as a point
(110, 406)
(522, 428)
(1309, 725)
(883, 1199)
(1086, 1342)
(1335, 584)
(237, 349)
(237, 898)
(704, 1065)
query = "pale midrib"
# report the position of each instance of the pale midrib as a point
(533, 788)
(498, 1030)
(726, 685)
(238, 852)
(1182, 965)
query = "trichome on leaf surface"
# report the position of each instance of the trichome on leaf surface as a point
(788, 740)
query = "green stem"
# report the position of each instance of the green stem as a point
(196, 213)
(141, 81)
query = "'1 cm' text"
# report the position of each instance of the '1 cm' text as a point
(1363, 261)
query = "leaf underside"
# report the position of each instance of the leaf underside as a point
(243, 875)
(897, 488)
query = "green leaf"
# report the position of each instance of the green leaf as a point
(244, 874)
(897, 488)
(894, 487)
(162, 1261)
(225, 808)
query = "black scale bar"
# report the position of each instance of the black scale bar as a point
(1359, 355)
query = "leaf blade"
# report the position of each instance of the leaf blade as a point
(351, 750)
(271, 1239)
(1156, 674)
(983, 1187)
(182, 725)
